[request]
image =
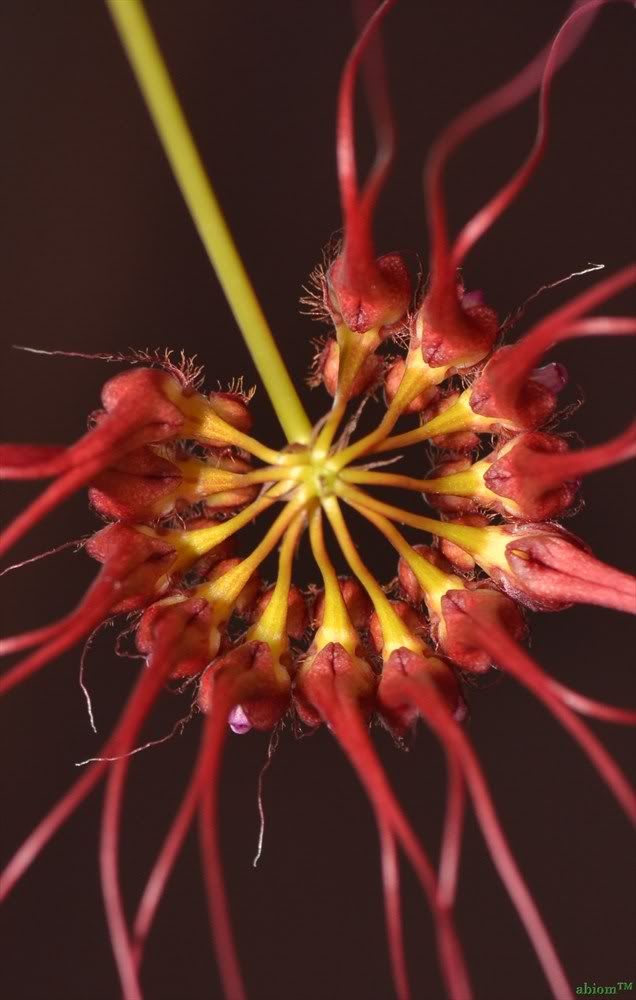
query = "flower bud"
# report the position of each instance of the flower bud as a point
(137, 410)
(452, 628)
(144, 393)
(196, 641)
(328, 365)
(259, 686)
(515, 474)
(297, 614)
(369, 298)
(138, 563)
(356, 601)
(547, 569)
(329, 671)
(136, 487)
(146, 485)
(396, 709)
(452, 333)
(535, 400)
(414, 621)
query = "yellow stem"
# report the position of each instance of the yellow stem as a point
(154, 81)
(193, 544)
(470, 539)
(354, 349)
(223, 592)
(460, 484)
(395, 634)
(202, 479)
(267, 475)
(336, 623)
(416, 378)
(458, 417)
(271, 627)
(433, 581)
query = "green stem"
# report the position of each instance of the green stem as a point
(138, 39)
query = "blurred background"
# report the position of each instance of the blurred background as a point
(100, 256)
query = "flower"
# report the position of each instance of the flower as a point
(177, 503)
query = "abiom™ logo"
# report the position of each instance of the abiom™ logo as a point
(591, 989)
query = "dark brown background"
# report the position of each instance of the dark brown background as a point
(100, 255)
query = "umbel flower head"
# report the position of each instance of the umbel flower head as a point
(180, 476)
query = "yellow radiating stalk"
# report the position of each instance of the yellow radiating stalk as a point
(416, 378)
(434, 581)
(468, 538)
(223, 592)
(271, 627)
(354, 350)
(154, 81)
(336, 624)
(394, 632)
(461, 484)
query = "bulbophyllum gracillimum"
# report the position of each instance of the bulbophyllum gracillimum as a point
(243, 574)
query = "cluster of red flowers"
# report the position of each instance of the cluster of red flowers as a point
(170, 469)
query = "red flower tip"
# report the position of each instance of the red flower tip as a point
(297, 614)
(516, 473)
(134, 561)
(452, 333)
(330, 673)
(186, 626)
(396, 710)
(15, 458)
(147, 390)
(414, 621)
(260, 687)
(453, 629)
(368, 294)
(365, 292)
(327, 366)
(358, 605)
(548, 569)
(133, 488)
(527, 403)
(137, 410)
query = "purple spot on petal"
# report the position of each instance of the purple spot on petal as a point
(239, 722)
(553, 376)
